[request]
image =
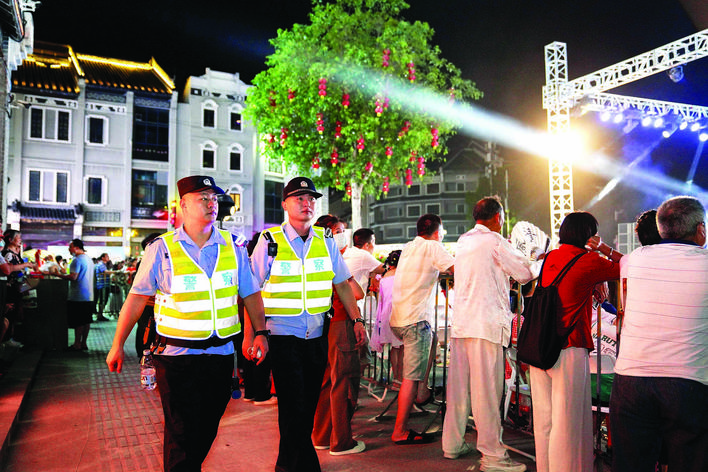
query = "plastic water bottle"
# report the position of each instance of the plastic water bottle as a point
(147, 371)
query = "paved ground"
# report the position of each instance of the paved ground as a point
(79, 417)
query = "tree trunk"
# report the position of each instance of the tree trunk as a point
(356, 205)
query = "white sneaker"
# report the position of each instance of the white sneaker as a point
(464, 450)
(270, 401)
(505, 464)
(321, 448)
(360, 446)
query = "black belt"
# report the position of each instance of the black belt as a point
(203, 344)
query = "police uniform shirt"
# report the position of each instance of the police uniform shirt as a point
(305, 325)
(156, 273)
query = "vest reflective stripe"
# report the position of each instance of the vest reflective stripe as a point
(284, 289)
(198, 305)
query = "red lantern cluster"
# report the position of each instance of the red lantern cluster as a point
(421, 166)
(378, 108)
(360, 143)
(412, 158)
(291, 94)
(411, 72)
(316, 161)
(386, 55)
(338, 130)
(409, 177)
(334, 157)
(369, 167)
(320, 123)
(283, 136)
(349, 190)
(434, 143)
(405, 129)
(270, 138)
(389, 151)
(271, 99)
(322, 88)
(385, 186)
(345, 100)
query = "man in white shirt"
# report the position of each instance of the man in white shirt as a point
(481, 328)
(661, 375)
(421, 262)
(361, 262)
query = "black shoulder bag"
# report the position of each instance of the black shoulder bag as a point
(541, 338)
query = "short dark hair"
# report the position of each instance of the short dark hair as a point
(362, 236)
(327, 221)
(577, 228)
(392, 259)
(678, 217)
(9, 235)
(487, 208)
(646, 229)
(428, 224)
(77, 243)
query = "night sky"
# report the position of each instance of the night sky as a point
(496, 43)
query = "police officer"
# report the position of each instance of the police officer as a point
(298, 265)
(196, 274)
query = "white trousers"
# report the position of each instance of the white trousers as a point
(476, 383)
(562, 413)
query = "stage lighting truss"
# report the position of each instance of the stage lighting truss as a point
(562, 98)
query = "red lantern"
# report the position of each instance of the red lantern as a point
(378, 108)
(320, 123)
(360, 143)
(434, 132)
(322, 87)
(389, 151)
(345, 100)
(338, 130)
(406, 127)
(316, 161)
(409, 178)
(291, 94)
(386, 55)
(411, 72)
(369, 167)
(334, 157)
(412, 158)
(385, 186)
(283, 136)
(349, 190)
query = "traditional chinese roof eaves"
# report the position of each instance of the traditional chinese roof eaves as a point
(46, 214)
(57, 69)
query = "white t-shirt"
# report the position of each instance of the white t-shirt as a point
(361, 263)
(420, 263)
(665, 330)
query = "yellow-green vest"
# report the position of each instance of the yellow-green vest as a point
(291, 277)
(198, 305)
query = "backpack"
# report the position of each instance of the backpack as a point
(541, 338)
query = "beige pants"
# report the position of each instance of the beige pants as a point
(562, 414)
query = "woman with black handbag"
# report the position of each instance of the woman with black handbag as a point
(12, 267)
(562, 408)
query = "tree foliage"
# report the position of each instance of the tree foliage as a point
(323, 102)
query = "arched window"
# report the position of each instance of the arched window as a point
(236, 157)
(235, 118)
(209, 155)
(209, 109)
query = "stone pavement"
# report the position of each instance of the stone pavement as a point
(77, 416)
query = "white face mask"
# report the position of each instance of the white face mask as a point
(341, 240)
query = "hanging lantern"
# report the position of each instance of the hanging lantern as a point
(320, 123)
(412, 158)
(360, 143)
(345, 100)
(283, 136)
(385, 186)
(291, 94)
(389, 151)
(349, 190)
(411, 72)
(434, 142)
(409, 178)
(322, 87)
(378, 108)
(270, 138)
(406, 127)
(385, 104)
(369, 167)
(338, 130)
(334, 158)
(386, 55)
(316, 161)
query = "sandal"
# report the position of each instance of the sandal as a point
(415, 438)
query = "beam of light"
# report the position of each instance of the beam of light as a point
(694, 164)
(619, 117)
(478, 123)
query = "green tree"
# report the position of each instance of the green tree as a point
(326, 104)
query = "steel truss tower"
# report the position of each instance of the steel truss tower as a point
(561, 97)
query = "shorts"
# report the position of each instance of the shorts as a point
(79, 313)
(417, 342)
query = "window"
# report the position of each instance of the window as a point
(235, 153)
(236, 197)
(414, 190)
(455, 187)
(209, 114)
(151, 134)
(412, 231)
(393, 212)
(236, 121)
(95, 190)
(96, 131)
(394, 232)
(272, 202)
(48, 186)
(432, 189)
(433, 208)
(49, 124)
(413, 211)
(149, 195)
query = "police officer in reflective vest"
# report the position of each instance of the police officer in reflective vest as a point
(298, 265)
(196, 274)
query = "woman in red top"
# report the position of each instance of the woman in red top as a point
(562, 409)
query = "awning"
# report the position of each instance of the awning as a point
(57, 215)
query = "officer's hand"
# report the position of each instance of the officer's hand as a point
(115, 359)
(361, 335)
(259, 349)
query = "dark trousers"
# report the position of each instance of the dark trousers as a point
(194, 391)
(256, 380)
(648, 411)
(298, 367)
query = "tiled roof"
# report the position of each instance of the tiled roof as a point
(47, 214)
(57, 69)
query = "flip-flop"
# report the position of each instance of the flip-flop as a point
(415, 438)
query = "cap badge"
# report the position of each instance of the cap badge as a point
(207, 182)
(303, 184)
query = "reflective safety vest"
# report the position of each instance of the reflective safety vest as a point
(295, 285)
(198, 305)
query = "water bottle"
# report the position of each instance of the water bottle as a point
(147, 371)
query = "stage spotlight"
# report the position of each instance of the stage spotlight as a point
(703, 137)
(619, 117)
(683, 125)
(605, 116)
(671, 129)
(695, 126)
(646, 121)
(658, 122)
(675, 74)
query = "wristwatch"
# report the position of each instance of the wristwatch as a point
(360, 320)
(264, 332)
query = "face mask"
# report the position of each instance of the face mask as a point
(341, 240)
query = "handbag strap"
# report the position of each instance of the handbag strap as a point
(562, 273)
